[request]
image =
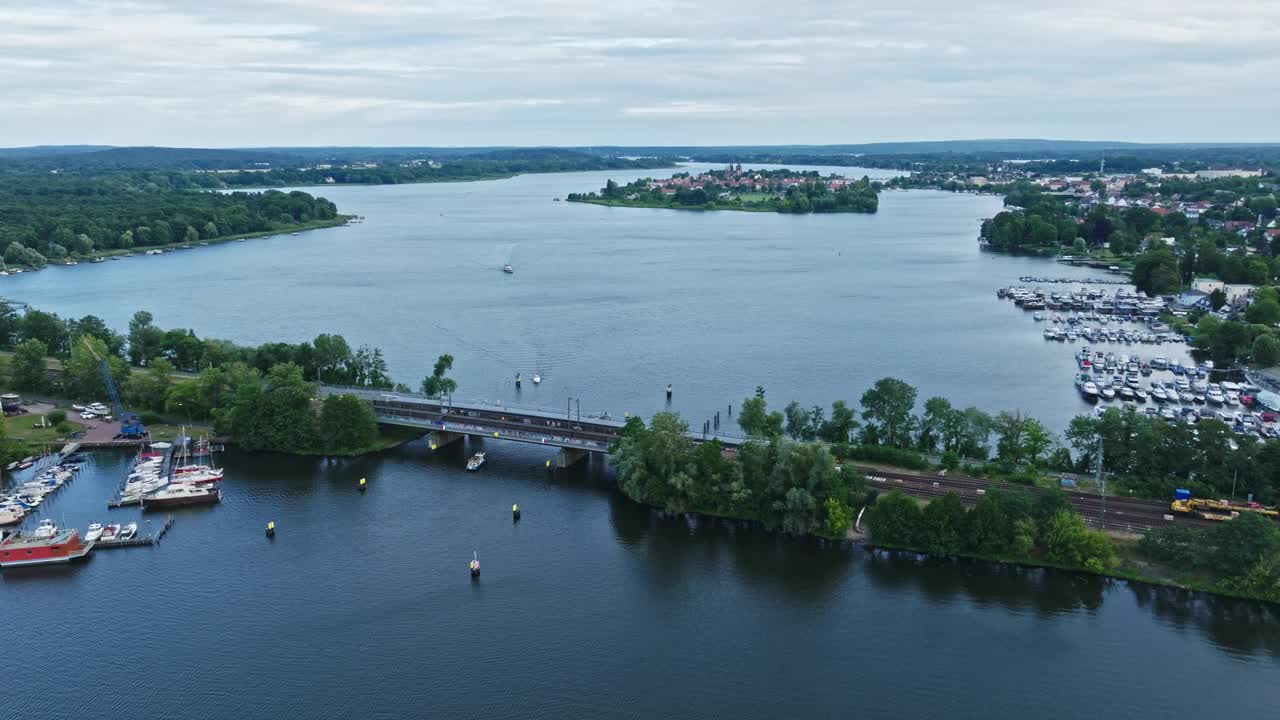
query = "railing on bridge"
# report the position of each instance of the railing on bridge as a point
(572, 426)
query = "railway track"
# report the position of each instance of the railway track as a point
(1129, 514)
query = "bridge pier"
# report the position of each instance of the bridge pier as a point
(568, 457)
(437, 439)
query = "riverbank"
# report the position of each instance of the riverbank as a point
(144, 250)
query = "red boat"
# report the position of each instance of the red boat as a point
(41, 549)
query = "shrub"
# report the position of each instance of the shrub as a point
(56, 417)
(64, 428)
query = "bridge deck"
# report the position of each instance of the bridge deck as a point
(530, 425)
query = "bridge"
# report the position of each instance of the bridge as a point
(448, 421)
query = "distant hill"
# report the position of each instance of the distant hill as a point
(136, 158)
(42, 150)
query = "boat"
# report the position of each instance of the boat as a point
(1215, 397)
(475, 565)
(1126, 393)
(46, 529)
(181, 493)
(508, 269)
(1140, 394)
(476, 462)
(38, 549)
(1107, 392)
(128, 531)
(537, 378)
(1038, 317)
(12, 515)
(95, 532)
(111, 532)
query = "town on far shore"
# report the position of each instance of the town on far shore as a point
(736, 188)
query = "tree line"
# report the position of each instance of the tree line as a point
(814, 195)
(1241, 557)
(54, 217)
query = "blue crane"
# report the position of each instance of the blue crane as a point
(130, 425)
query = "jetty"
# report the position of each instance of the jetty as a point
(152, 539)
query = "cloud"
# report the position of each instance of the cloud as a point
(481, 72)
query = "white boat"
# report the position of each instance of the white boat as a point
(1216, 397)
(129, 531)
(1107, 392)
(110, 532)
(508, 269)
(77, 407)
(537, 378)
(46, 529)
(94, 533)
(475, 462)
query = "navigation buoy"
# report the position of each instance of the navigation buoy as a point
(668, 391)
(515, 512)
(362, 485)
(548, 464)
(271, 529)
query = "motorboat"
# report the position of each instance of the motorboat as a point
(476, 462)
(46, 529)
(1126, 393)
(1140, 394)
(128, 531)
(1107, 392)
(111, 532)
(1215, 397)
(1157, 394)
(1038, 317)
(95, 532)
(537, 378)
(508, 269)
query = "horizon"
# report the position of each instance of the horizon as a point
(342, 73)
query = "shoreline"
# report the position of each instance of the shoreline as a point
(730, 208)
(142, 250)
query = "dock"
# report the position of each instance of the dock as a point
(152, 539)
(166, 470)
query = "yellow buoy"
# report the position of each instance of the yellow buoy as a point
(433, 446)
(361, 484)
(271, 528)
(495, 433)
(548, 464)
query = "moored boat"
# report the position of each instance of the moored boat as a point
(94, 533)
(476, 462)
(38, 549)
(178, 494)
(128, 531)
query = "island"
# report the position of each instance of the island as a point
(733, 188)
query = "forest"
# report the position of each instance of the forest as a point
(54, 217)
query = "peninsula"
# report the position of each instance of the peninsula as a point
(733, 188)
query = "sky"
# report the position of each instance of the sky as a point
(236, 73)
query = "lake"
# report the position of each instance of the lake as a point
(612, 304)
(589, 607)
(592, 606)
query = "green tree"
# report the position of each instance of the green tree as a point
(274, 413)
(145, 339)
(1217, 298)
(887, 405)
(647, 459)
(347, 424)
(936, 412)
(1264, 312)
(10, 326)
(333, 358)
(48, 329)
(82, 376)
(839, 517)
(896, 519)
(1265, 351)
(755, 419)
(190, 236)
(437, 384)
(944, 525)
(1067, 541)
(836, 429)
(1156, 271)
(29, 369)
(82, 245)
(1240, 543)
(209, 231)
(149, 388)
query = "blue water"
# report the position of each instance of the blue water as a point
(591, 606)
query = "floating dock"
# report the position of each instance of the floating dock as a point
(152, 539)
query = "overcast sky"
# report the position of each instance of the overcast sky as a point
(218, 73)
